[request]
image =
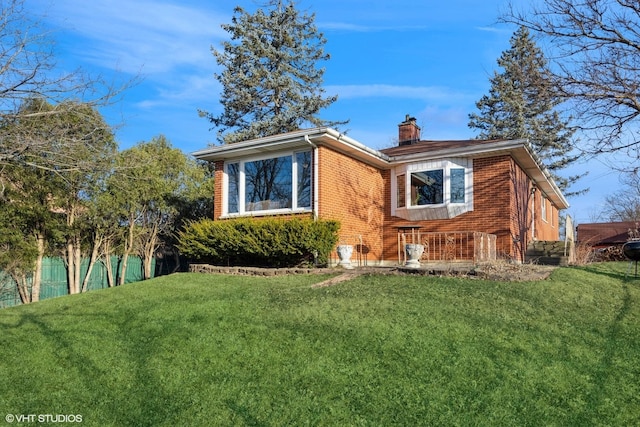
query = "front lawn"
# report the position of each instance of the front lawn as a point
(209, 350)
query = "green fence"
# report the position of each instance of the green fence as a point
(54, 278)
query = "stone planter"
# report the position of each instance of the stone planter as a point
(414, 252)
(344, 253)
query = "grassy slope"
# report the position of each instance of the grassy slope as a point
(215, 350)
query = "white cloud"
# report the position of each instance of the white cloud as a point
(495, 30)
(192, 90)
(131, 36)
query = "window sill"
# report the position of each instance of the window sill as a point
(433, 212)
(273, 212)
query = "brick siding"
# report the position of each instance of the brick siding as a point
(359, 196)
(354, 194)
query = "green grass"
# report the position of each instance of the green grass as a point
(203, 350)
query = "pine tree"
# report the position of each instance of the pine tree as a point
(522, 103)
(270, 80)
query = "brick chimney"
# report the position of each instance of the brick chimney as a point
(408, 131)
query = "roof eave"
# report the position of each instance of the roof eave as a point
(519, 149)
(322, 136)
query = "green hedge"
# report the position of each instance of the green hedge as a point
(268, 242)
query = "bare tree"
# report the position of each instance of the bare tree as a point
(27, 72)
(595, 49)
(624, 205)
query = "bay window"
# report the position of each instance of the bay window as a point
(281, 183)
(434, 189)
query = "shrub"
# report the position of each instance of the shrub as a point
(268, 242)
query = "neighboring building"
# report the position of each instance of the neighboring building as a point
(605, 234)
(460, 198)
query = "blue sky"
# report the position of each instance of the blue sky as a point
(430, 59)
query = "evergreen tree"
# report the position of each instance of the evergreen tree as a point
(270, 80)
(522, 103)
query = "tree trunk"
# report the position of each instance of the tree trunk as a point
(128, 247)
(74, 259)
(147, 262)
(71, 269)
(149, 250)
(93, 258)
(37, 274)
(123, 268)
(107, 263)
(73, 254)
(23, 288)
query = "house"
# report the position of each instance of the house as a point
(605, 234)
(464, 200)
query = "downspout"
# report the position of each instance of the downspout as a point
(533, 213)
(315, 177)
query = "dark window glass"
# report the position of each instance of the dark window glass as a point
(268, 184)
(233, 172)
(303, 162)
(427, 188)
(457, 185)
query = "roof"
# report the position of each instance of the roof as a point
(305, 137)
(427, 145)
(605, 233)
(385, 159)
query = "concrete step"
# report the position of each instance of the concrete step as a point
(545, 249)
(545, 252)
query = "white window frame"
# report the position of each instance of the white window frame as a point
(543, 208)
(442, 164)
(241, 186)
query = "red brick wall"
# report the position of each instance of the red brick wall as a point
(521, 217)
(217, 189)
(354, 194)
(549, 229)
(491, 209)
(359, 196)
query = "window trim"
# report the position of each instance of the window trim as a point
(444, 210)
(241, 162)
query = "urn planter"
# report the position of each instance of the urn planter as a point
(414, 252)
(344, 253)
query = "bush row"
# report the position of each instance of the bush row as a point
(269, 242)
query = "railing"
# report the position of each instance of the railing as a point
(455, 246)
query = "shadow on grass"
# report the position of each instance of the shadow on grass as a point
(599, 392)
(114, 398)
(615, 270)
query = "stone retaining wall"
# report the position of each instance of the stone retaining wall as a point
(255, 271)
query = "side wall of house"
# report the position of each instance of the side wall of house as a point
(353, 193)
(547, 225)
(521, 211)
